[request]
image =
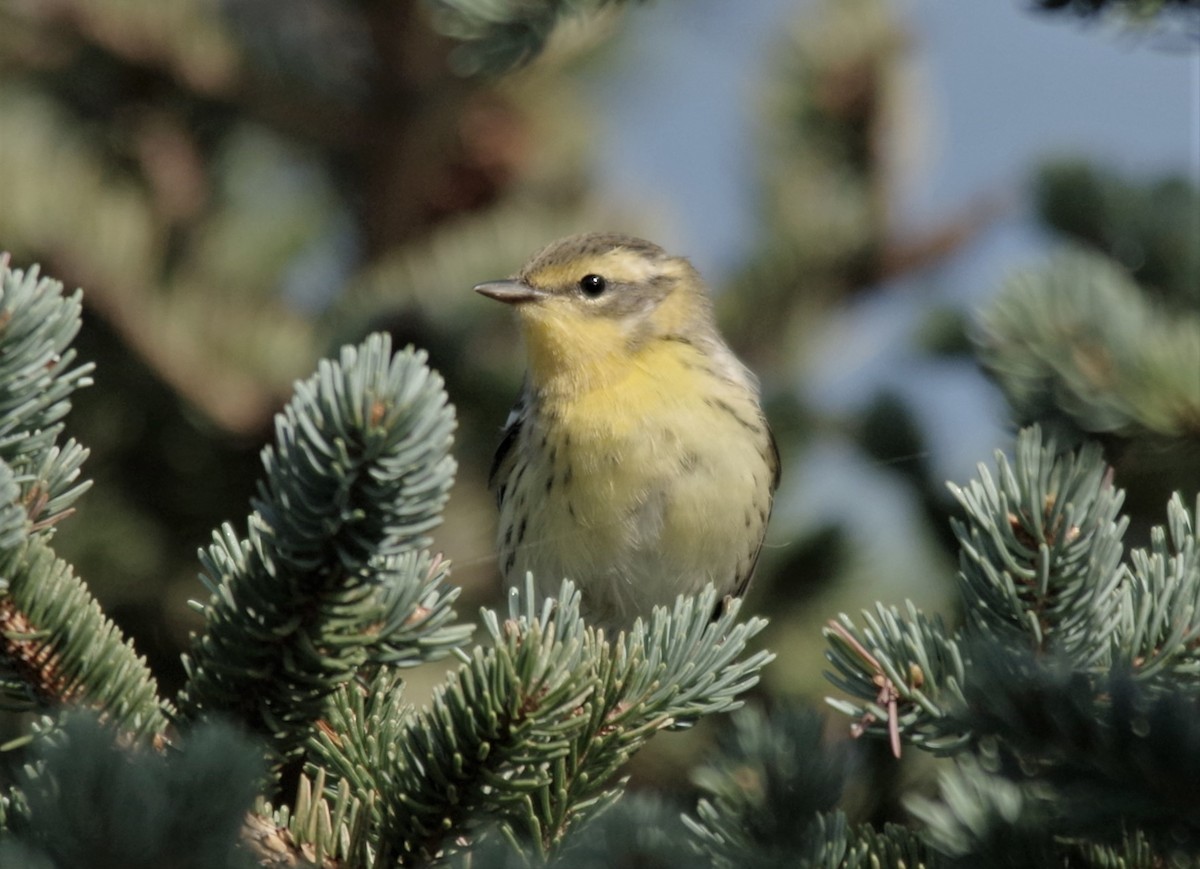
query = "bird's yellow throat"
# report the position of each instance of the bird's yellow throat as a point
(572, 352)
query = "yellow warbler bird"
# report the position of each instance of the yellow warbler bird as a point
(637, 460)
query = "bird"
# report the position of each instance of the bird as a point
(637, 461)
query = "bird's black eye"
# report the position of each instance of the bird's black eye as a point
(592, 285)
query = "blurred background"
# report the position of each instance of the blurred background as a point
(241, 186)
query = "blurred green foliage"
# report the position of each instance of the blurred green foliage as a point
(1149, 227)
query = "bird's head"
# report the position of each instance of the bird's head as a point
(589, 303)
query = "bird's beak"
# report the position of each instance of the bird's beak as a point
(510, 292)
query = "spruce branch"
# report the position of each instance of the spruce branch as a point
(904, 674)
(1160, 624)
(684, 662)
(525, 742)
(1136, 12)
(1149, 226)
(1076, 344)
(353, 758)
(415, 602)
(646, 831)
(1040, 572)
(667, 672)
(835, 843)
(482, 748)
(14, 522)
(1087, 759)
(768, 801)
(498, 35)
(1040, 550)
(1134, 852)
(89, 798)
(328, 578)
(765, 788)
(984, 819)
(38, 374)
(58, 649)
(357, 743)
(639, 830)
(1072, 704)
(318, 829)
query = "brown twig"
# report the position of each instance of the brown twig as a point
(888, 696)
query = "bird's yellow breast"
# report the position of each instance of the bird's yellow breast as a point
(668, 468)
(621, 393)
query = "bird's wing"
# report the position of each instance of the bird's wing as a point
(776, 465)
(506, 453)
(776, 473)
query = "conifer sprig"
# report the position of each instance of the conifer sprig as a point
(668, 671)
(1040, 550)
(1041, 571)
(1078, 346)
(91, 798)
(528, 737)
(38, 374)
(1160, 623)
(329, 577)
(56, 646)
(498, 36)
(59, 649)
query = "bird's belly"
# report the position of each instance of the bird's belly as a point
(638, 520)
